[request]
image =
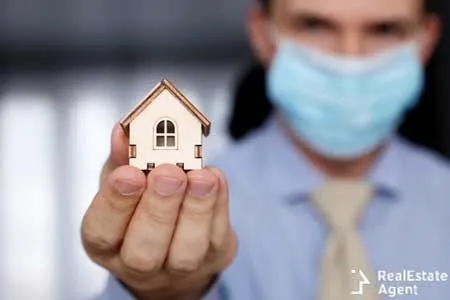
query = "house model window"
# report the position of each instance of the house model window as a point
(166, 135)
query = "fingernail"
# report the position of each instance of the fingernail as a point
(201, 188)
(127, 188)
(166, 186)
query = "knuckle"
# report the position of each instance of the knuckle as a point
(96, 241)
(160, 218)
(223, 246)
(196, 214)
(222, 258)
(183, 265)
(218, 243)
(198, 209)
(117, 203)
(161, 211)
(221, 238)
(138, 263)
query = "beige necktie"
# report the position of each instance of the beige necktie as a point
(341, 202)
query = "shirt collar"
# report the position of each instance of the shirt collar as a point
(385, 173)
(293, 177)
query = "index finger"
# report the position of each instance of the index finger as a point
(118, 154)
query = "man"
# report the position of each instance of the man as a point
(342, 74)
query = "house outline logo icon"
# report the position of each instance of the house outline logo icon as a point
(364, 281)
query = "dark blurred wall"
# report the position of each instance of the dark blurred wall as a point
(441, 76)
(193, 29)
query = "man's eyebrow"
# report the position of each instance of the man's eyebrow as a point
(302, 16)
(399, 24)
(391, 20)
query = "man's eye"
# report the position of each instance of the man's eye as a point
(388, 30)
(313, 24)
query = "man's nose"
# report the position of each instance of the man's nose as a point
(350, 43)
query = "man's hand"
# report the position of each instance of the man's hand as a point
(165, 235)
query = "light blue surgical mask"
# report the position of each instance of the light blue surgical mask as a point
(344, 107)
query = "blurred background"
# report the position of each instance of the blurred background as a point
(70, 69)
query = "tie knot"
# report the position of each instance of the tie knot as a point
(341, 202)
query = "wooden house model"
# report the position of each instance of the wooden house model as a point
(165, 127)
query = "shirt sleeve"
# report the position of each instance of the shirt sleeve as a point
(116, 291)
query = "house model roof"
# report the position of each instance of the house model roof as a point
(162, 86)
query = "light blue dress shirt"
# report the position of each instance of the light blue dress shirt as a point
(281, 235)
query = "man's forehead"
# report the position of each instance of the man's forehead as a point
(349, 8)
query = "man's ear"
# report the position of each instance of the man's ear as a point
(433, 28)
(258, 30)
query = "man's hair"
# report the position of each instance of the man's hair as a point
(430, 5)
